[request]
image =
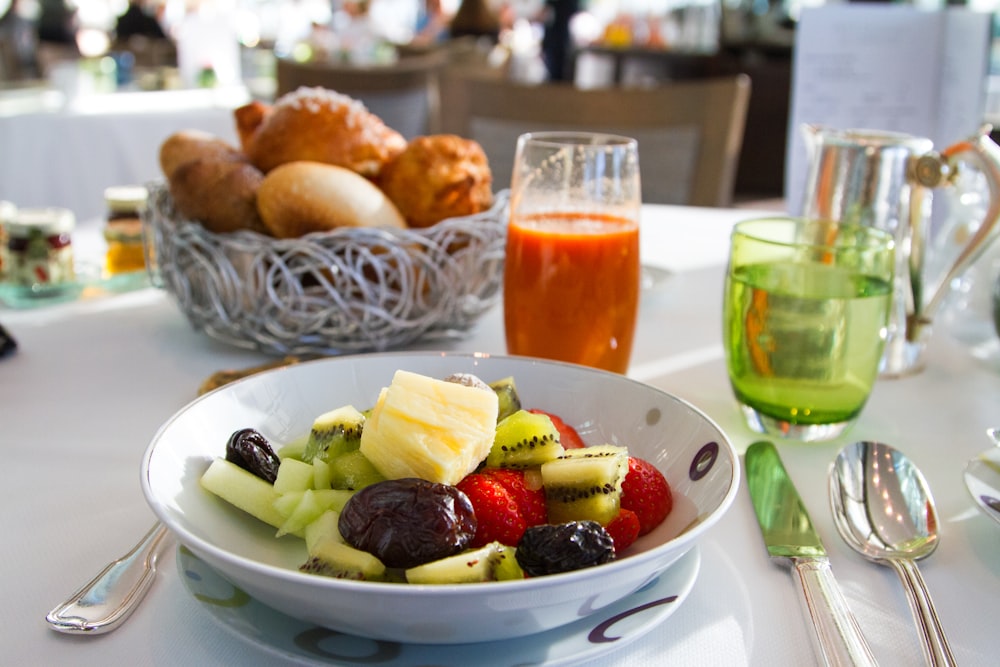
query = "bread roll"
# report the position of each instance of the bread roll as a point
(248, 118)
(302, 197)
(319, 125)
(190, 145)
(221, 195)
(437, 177)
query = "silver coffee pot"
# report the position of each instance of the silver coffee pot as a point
(885, 180)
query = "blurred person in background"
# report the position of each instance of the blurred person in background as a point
(556, 39)
(56, 30)
(137, 21)
(475, 18)
(361, 37)
(433, 24)
(18, 42)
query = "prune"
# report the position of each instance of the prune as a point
(250, 450)
(554, 548)
(408, 522)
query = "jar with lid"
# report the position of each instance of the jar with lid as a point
(40, 248)
(123, 229)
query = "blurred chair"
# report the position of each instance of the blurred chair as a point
(10, 65)
(404, 94)
(148, 52)
(690, 132)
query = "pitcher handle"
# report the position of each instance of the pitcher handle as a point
(985, 154)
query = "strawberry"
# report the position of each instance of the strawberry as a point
(497, 514)
(645, 491)
(529, 496)
(624, 530)
(568, 437)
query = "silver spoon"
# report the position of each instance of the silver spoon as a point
(103, 603)
(884, 511)
(982, 477)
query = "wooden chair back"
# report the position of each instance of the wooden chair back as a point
(690, 132)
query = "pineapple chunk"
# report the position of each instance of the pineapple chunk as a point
(428, 428)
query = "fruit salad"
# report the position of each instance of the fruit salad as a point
(444, 481)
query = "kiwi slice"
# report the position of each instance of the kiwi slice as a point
(505, 565)
(353, 471)
(334, 433)
(491, 562)
(342, 561)
(510, 401)
(330, 556)
(524, 440)
(585, 484)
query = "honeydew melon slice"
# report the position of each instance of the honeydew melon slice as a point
(294, 475)
(244, 490)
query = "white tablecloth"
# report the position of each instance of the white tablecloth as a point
(92, 382)
(52, 154)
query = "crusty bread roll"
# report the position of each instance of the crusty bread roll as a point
(436, 177)
(318, 125)
(302, 197)
(220, 194)
(188, 145)
(248, 118)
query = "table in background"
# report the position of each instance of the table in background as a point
(93, 381)
(54, 153)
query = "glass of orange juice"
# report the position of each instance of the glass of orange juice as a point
(571, 278)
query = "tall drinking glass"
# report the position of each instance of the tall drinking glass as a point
(805, 316)
(571, 281)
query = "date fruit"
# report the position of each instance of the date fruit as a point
(250, 450)
(408, 522)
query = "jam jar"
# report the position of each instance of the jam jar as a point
(40, 248)
(123, 229)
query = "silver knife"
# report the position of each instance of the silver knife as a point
(789, 535)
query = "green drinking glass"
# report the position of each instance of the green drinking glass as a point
(805, 318)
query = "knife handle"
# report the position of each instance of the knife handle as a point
(838, 632)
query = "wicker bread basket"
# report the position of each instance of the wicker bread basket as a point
(347, 290)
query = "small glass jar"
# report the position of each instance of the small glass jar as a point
(40, 247)
(123, 229)
(7, 212)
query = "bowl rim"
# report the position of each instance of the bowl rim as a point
(680, 543)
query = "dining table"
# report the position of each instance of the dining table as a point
(93, 379)
(87, 142)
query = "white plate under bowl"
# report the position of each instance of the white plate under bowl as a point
(694, 454)
(982, 479)
(607, 630)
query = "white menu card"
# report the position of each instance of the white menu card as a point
(886, 67)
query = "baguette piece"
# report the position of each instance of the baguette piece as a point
(300, 197)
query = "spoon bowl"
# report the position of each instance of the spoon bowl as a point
(883, 509)
(982, 477)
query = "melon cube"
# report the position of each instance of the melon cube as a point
(242, 489)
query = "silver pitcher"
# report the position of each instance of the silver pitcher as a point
(884, 179)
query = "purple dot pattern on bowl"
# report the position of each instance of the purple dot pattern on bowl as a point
(703, 461)
(599, 635)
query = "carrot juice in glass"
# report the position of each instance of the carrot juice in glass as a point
(571, 281)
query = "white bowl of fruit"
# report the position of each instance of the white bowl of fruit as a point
(439, 498)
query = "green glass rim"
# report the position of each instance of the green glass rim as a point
(862, 236)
